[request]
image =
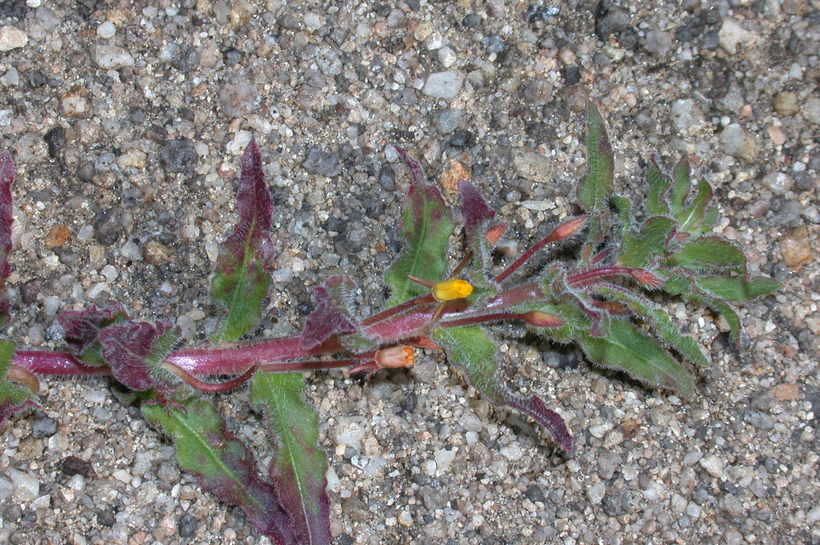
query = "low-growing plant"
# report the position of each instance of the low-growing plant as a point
(600, 292)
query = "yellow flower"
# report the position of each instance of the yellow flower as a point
(452, 289)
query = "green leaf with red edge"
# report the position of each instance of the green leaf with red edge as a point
(81, 327)
(474, 353)
(298, 468)
(426, 227)
(6, 219)
(241, 280)
(136, 352)
(14, 396)
(626, 349)
(709, 253)
(637, 249)
(224, 466)
(736, 288)
(596, 187)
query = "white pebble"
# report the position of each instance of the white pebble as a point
(106, 30)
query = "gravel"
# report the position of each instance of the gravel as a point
(127, 120)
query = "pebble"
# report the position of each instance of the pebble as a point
(444, 85)
(738, 143)
(532, 165)
(12, 37)
(713, 465)
(321, 162)
(658, 42)
(796, 248)
(106, 30)
(112, 57)
(26, 487)
(785, 103)
(731, 35)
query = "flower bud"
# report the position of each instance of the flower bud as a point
(395, 357)
(453, 289)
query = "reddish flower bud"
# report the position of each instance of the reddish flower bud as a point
(395, 357)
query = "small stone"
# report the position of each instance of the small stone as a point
(796, 248)
(738, 143)
(453, 174)
(26, 487)
(731, 34)
(785, 103)
(447, 57)
(319, 161)
(786, 392)
(531, 165)
(778, 182)
(713, 465)
(658, 42)
(74, 102)
(12, 37)
(43, 427)
(106, 30)
(444, 85)
(596, 493)
(112, 57)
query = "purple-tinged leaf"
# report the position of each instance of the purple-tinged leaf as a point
(224, 466)
(473, 352)
(135, 351)
(241, 280)
(426, 228)
(14, 395)
(596, 187)
(474, 208)
(81, 327)
(6, 179)
(299, 465)
(331, 316)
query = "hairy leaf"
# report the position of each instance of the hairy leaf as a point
(241, 280)
(224, 466)
(638, 248)
(471, 349)
(595, 188)
(708, 253)
(135, 352)
(6, 179)
(331, 316)
(736, 288)
(426, 228)
(13, 395)
(299, 465)
(81, 327)
(661, 324)
(627, 349)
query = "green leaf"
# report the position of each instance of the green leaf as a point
(13, 395)
(708, 253)
(736, 288)
(474, 353)
(658, 186)
(681, 185)
(629, 350)
(596, 187)
(224, 466)
(693, 218)
(299, 465)
(661, 324)
(426, 228)
(638, 248)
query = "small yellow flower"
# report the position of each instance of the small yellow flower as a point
(452, 289)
